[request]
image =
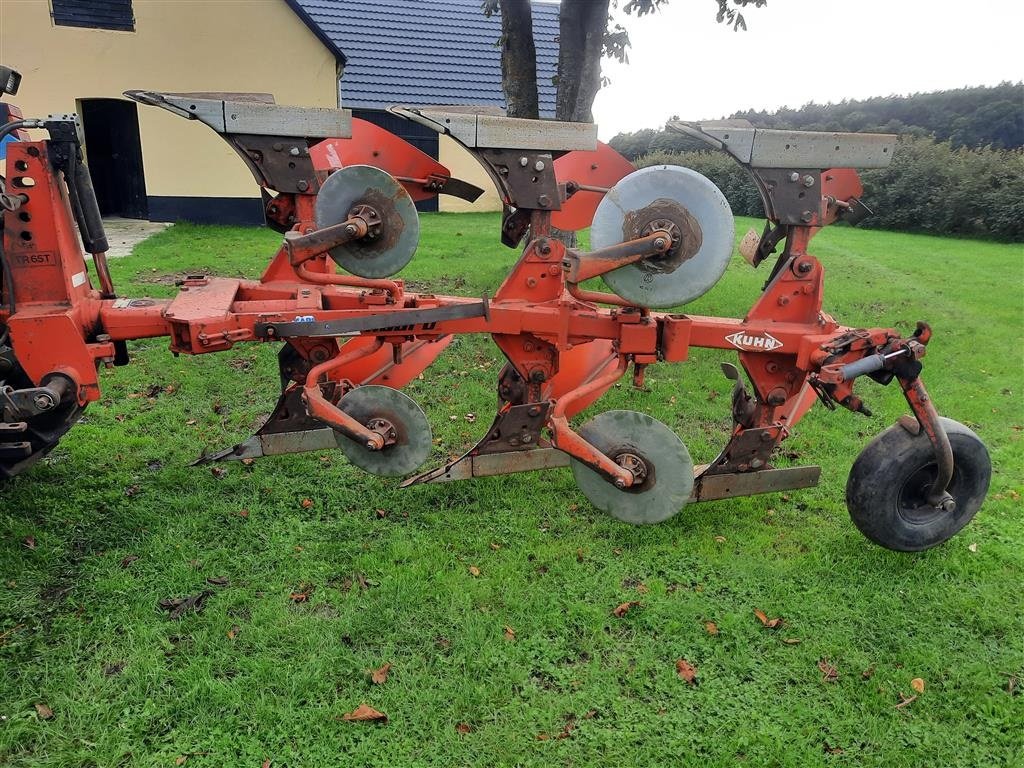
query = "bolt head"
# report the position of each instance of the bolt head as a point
(659, 243)
(539, 165)
(524, 161)
(620, 483)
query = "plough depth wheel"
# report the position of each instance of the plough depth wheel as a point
(399, 419)
(888, 485)
(653, 452)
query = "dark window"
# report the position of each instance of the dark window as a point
(97, 14)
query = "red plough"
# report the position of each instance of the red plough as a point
(342, 192)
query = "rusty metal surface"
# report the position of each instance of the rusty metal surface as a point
(277, 163)
(517, 428)
(709, 487)
(492, 464)
(747, 449)
(665, 215)
(526, 179)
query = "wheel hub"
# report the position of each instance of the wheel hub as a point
(385, 429)
(634, 464)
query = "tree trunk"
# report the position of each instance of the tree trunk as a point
(582, 25)
(518, 59)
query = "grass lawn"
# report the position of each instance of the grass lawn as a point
(492, 601)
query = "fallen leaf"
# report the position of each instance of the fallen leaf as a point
(495, 546)
(114, 668)
(126, 561)
(474, 571)
(542, 737)
(510, 634)
(190, 423)
(579, 556)
(379, 676)
(711, 627)
(218, 472)
(623, 608)
(832, 750)
(829, 673)
(720, 539)
(686, 671)
(265, 764)
(917, 684)
(590, 714)
(463, 728)
(218, 581)
(973, 547)
(132, 490)
(29, 542)
(381, 514)
(867, 673)
(364, 714)
(307, 503)
(302, 593)
(568, 728)
(471, 417)
(180, 759)
(179, 606)
(243, 513)
(44, 712)
(792, 640)
(763, 618)
(233, 632)
(1011, 684)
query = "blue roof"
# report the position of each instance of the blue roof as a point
(422, 52)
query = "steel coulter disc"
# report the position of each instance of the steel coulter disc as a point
(627, 436)
(413, 438)
(372, 257)
(651, 198)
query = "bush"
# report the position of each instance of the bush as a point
(929, 187)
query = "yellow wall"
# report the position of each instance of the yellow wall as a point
(177, 45)
(464, 166)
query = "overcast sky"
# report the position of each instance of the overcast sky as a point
(796, 51)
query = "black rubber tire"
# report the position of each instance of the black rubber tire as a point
(885, 490)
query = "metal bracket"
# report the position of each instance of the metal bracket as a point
(412, 320)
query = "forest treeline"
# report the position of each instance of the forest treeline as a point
(958, 168)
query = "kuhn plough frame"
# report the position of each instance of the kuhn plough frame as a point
(342, 192)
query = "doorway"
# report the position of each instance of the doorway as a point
(114, 154)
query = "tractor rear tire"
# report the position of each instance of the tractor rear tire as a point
(885, 493)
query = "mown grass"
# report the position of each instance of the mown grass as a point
(81, 630)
